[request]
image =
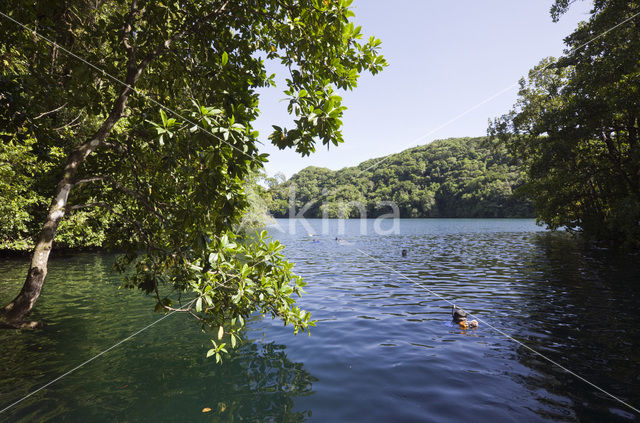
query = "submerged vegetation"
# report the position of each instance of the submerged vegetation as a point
(462, 177)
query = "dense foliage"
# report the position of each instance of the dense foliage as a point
(122, 169)
(576, 128)
(33, 147)
(448, 178)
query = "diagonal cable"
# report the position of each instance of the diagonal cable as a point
(503, 333)
(94, 357)
(499, 93)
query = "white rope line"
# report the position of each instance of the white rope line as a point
(94, 357)
(173, 112)
(501, 332)
(498, 94)
(124, 84)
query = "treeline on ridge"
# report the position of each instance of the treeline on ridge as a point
(458, 177)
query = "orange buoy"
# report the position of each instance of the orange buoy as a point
(206, 410)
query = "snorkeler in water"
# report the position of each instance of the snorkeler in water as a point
(460, 317)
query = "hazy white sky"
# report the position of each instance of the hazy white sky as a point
(444, 58)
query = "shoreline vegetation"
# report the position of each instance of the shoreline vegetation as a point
(450, 178)
(150, 151)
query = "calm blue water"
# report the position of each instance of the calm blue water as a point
(383, 349)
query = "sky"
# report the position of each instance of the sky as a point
(445, 58)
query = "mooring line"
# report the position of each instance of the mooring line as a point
(503, 333)
(94, 357)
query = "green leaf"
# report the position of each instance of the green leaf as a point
(163, 116)
(225, 58)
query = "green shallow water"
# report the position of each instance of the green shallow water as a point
(383, 350)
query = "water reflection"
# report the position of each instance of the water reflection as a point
(585, 316)
(266, 382)
(383, 350)
(390, 338)
(160, 375)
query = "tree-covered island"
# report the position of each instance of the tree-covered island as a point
(463, 177)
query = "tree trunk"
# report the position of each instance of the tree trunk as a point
(21, 306)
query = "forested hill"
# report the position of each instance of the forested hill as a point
(460, 177)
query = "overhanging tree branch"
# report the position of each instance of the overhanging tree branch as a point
(89, 180)
(41, 115)
(86, 206)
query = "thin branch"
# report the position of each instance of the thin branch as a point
(85, 206)
(41, 115)
(184, 310)
(196, 316)
(89, 180)
(70, 124)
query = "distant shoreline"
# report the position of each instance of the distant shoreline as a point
(404, 218)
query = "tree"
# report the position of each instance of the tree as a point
(461, 177)
(575, 126)
(175, 187)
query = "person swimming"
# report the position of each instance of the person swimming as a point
(460, 317)
(404, 253)
(468, 325)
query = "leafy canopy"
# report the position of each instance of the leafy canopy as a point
(575, 126)
(170, 189)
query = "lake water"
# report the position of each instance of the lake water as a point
(384, 349)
